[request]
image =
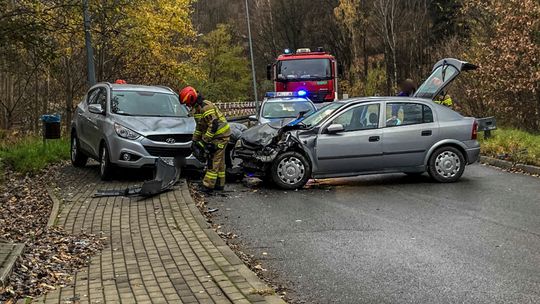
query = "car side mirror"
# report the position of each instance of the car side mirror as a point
(96, 109)
(335, 128)
(252, 117)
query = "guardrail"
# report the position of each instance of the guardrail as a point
(237, 111)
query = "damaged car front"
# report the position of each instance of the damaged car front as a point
(259, 146)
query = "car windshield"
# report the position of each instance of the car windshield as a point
(317, 117)
(286, 109)
(141, 103)
(304, 69)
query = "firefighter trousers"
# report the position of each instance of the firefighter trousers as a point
(214, 177)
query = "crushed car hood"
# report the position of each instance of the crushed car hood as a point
(262, 135)
(158, 125)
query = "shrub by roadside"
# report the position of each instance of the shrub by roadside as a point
(30, 155)
(513, 145)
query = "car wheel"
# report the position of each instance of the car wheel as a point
(105, 166)
(446, 165)
(78, 158)
(290, 170)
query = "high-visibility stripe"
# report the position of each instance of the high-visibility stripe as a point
(197, 132)
(221, 174)
(209, 112)
(209, 134)
(223, 129)
(211, 175)
(221, 146)
(197, 116)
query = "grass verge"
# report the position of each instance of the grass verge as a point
(29, 155)
(514, 145)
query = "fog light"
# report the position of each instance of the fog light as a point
(126, 156)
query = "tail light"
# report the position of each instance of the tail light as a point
(474, 134)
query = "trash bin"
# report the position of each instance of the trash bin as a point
(51, 126)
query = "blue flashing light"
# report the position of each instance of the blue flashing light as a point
(287, 51)
(301, 93)
(270, 94)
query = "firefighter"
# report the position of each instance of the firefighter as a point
(443, 99)
(212, 134)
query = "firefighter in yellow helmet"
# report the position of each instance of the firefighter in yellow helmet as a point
(212, 134)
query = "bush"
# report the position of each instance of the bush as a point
(29, 155)
(515, 145)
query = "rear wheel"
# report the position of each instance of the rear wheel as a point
(446, 165)
(290, 170)
(105, 166)
(78, 158)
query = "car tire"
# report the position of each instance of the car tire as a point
(105, 166)
(290, 170)
(78, 158)
(446, 164)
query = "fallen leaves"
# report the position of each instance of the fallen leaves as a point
(51, 255)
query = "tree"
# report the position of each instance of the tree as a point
(225, 67)
(506, 45)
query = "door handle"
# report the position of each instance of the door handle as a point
(427, 133)
(374, 138)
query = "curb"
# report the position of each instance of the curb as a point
(16, 251)
(504, 164)
(227, 252)
(55, 209)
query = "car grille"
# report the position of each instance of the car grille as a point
(178, 138)
(168, 152)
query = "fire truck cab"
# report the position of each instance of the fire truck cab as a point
(315, 72)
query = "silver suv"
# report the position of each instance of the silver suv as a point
(131, 126)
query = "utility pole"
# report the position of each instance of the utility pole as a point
(89, 50)
(257, 106)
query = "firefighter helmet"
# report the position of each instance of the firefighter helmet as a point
(188, 96)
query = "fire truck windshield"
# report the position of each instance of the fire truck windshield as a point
(304, 69)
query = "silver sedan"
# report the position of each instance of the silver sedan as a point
(367, 136)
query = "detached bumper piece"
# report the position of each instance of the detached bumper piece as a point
(166, 178)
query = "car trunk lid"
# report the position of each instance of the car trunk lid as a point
(444, 72)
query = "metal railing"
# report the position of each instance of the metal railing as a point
(237, 111)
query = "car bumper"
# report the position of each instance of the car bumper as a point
(145, 152)
(473, 151)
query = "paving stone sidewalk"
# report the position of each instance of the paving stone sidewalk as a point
(159, 250)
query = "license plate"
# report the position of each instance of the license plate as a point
(168, 160)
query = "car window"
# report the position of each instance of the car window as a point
(92, 96)
(142, 103)
(402, 114)
(436, 81)
(101, 98)
(286, 109)
(359, 118)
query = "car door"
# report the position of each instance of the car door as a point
(355, 149)
(95, 121)
(410, 130)
(83, 120)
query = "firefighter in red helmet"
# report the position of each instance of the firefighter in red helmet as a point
(212, 134)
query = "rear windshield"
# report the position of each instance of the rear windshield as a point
(140, 103)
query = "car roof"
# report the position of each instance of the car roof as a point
(382, 98)
(137, 87)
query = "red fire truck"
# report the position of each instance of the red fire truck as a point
(310, 73)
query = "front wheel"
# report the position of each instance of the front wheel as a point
(446, 165)
(105, 166)
(78, 158)
(290, 170)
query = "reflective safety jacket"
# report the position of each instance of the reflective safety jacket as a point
(445, 100)
(211, 123)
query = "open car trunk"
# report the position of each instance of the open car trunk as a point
(444, 72)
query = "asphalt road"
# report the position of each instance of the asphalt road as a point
(395, 239)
